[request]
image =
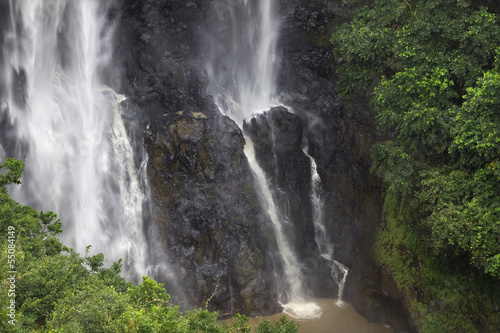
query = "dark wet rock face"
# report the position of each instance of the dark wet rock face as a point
(277, 138)
(208, 214)
(162, 70)
(339, 139)
(206, 210)
(213, 235)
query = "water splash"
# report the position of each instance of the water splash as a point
(131, 243)
(68, 127)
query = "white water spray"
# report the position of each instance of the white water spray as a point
(338, 270)
(79, 160)
(243, 84)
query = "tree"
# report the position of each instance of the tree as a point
(13, 175)
(435, 92)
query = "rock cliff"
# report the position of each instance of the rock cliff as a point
(206, 214)
(205, 203)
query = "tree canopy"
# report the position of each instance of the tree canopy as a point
(432, 69)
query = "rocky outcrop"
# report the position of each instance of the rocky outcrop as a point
(208, 213)
(209, 229)
(277, 139)
(159, 65)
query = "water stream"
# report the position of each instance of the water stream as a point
(326, 248)
(241, 63)
(68, 127)
(298, 304)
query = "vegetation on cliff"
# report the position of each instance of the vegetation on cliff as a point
(47, 287)
(432, 70)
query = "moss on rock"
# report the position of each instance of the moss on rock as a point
(442, 297)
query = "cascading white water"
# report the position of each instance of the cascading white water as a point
(339, 271)
(79, 160)
(2, 154)
(298, 306)
(243, 83)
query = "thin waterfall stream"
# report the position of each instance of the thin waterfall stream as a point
(338, 270)
(298, 305)
(68, 127)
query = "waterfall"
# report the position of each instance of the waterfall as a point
(68, 126)
(298, 305)
(242, 76)
(338, 270)
(241, 69)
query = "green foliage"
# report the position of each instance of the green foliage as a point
(93, 307)
(45, 281)
(13, 175)
(57, 290)
(365, 47)
(282, 326)
(477, 132)
(463, 211)
(393, 165)
(148, 294)
(239, 324)
(415, 104)
(443, 298)
(434, 82)
(434, 88)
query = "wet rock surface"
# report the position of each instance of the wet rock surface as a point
(215, 240)
(277, 139)
(208, 214)
(162, 70)
(204, 198)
